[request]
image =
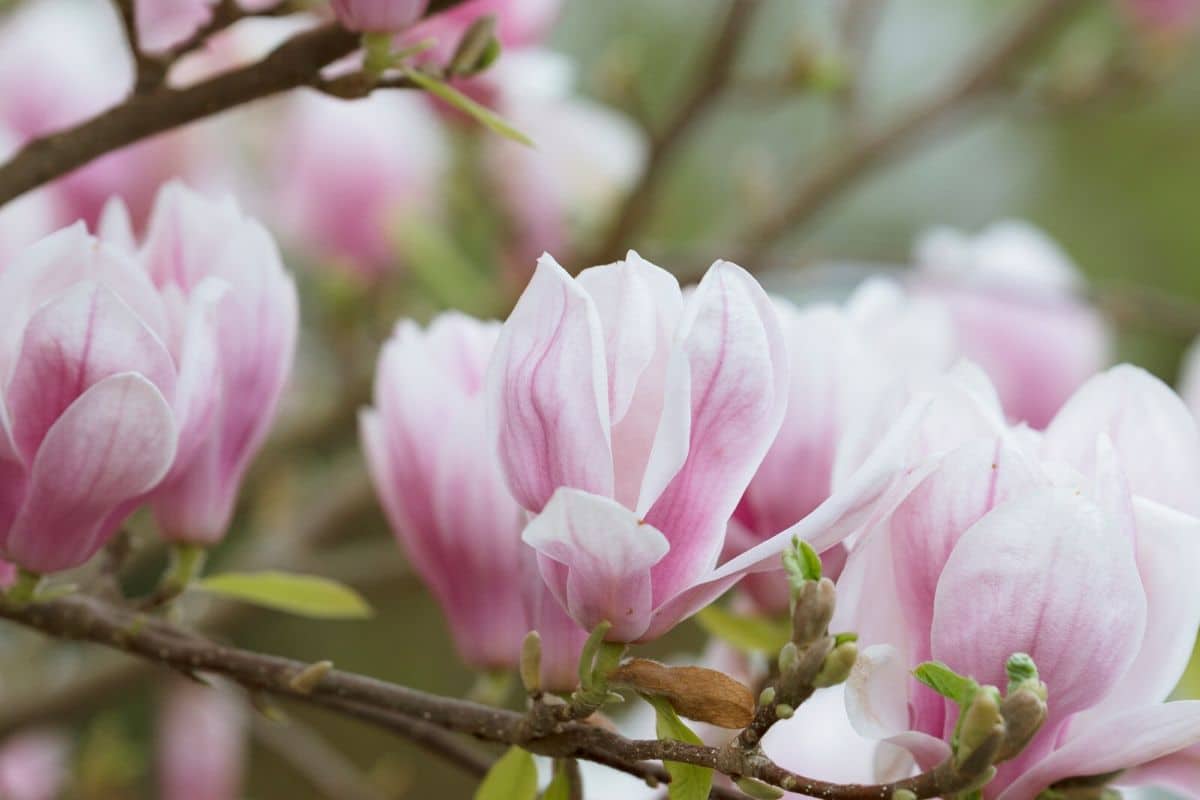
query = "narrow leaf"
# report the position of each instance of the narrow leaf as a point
(688, 781)
(481, 114)
(749, 634)
(560, 786)
(945, 681)
(303, 595)
(512, 777)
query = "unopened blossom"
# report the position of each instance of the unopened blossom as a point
(444, 496)
(201, 744)
(630, 422)
(33, 765)
(190, 243)
(1016, 301)
(586, 157)
(102, 384)
(379, 16)
(1075, 546)
(351, 175)
(846, 363)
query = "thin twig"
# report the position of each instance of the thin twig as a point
(87, 619)
(714, 76)
(837, 173)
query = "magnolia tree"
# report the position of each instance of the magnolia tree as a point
(940, 545)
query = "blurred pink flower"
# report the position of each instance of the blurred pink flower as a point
(164, 24)
(33, 765)
(201, 744)
(630, 422)
(1164, 17)
(447, 502)
(847, 363)
(379, 16)
(1014, 297)
(1003, 543)
(351, 174)
(101, 385)
(190, 243)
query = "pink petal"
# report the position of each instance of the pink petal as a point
(1026, 578)
(607, 553)
(732, 347)
(70, 344)
(1122, 741)
(108, 448)
(548, 392)
(1155, 436)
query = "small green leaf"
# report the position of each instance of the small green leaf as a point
(688, 781)
(484, 116)
(512, 777)
(303, 595)
(749, 634)
(801, 562)
(945, 681)
(842, 638)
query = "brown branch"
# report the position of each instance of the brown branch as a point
(83, 618)
(295, 63)
(837, 173)
(714, 77)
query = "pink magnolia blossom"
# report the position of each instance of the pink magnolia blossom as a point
(33, 765)
(447, 502)
(630, 422)
(1014, 298)
(352, 174)
(1075, 546)
(871, 354)
(1170, 18)
(379, 16)
(102, 384)
(192, 242)
(201, 744)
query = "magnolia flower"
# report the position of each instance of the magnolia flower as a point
(587, 155)
(26, 219)
(447, 505)
(1075, 546)
(190, 242)
(378, 16)
(1013, 295)
(201, 744)
(350, 172)
(871, 354)
(630, 422)
(33, 765)
(103, 384)
(1189, 378)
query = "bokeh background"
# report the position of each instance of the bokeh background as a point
(1097, 143)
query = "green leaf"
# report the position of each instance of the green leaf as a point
(484, 116)
(560, 786)
(512, 777)
(945, 681)
(303, 595)
(749, 634)
(801, 562)
(688, 781)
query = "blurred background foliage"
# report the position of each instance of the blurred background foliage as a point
(1115, 180)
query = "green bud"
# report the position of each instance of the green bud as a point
(531, 662)
(784, 711)
(1024, 711)
(837, 665)
(789, 656)
(758, 790)
(801, 562)
(767, 696)
(587, 656)
(812, 609)
(472, 51)
(980, 723)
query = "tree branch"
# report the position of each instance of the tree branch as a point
(714, 77)
(82, 618)
(295, 63)
(837, 173)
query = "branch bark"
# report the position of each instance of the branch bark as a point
(396, 707)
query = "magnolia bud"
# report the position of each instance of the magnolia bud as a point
(815, 601)
(531, 662)
(1024, 711)
(981, 723)
(837, 665)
